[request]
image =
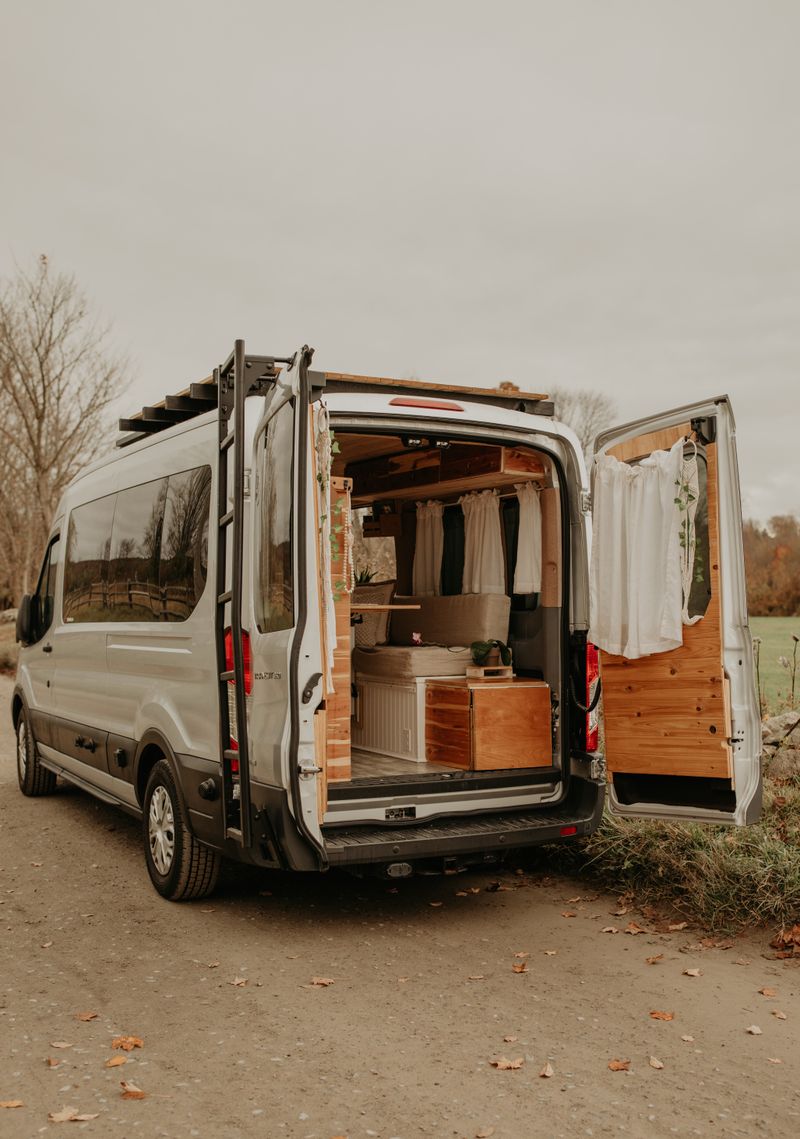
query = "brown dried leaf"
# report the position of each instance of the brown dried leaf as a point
(462, 894)
(787, 937)
(766, 991)
(609, 929)
(127, 1043)
(434, 904)
(619, 1065)
(473, 889)
(238, 982)
(213, 965)
(484, 1133)
(115, 1061)
(322, 982)
(86, 1016)
(476, 977)
(655, 959)
(655, 1063)
(504, 1065)
(572, 901)
(568, 914)
(130, 1090)
(51, 1063)
(547, 1071)
(620, 912)
(633, 928)
(522, 955)
(754, 1030)
(676, 927)
(692, 973)
(11, 1103)
(71, 1115)
(46, 944)
(657, 1014)
(780, 1015)
(774, 1060)
(520, 966)
(510, 1039)
(59, 1044)
(688, 1039)
(550, 952)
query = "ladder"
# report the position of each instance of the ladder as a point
(239, 377)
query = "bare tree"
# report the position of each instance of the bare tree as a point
(586, 412)
(58, 378)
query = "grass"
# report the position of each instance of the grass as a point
(9, 649)
(776, 642)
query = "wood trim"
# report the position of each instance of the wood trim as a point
(550, 596)
(337, 702)
(643, 445)
(456, 390)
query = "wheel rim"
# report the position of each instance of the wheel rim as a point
(22, 751)
(161, 830)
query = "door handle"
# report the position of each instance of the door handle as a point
(47, 648)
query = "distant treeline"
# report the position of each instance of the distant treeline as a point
(772, 558)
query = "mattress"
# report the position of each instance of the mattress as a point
(398, 662)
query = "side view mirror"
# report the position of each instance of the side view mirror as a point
(26, 620)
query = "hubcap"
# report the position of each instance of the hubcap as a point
(161, 830)
(22, 750)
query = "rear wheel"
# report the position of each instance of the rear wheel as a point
(180, 868)
(34, 780)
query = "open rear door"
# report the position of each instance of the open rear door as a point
(682, 728)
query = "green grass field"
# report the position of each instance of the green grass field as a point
(776, 642)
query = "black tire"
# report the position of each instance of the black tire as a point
(180, 867)
(34, 780)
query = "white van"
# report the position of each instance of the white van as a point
(202, 652)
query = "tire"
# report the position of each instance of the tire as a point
(34, 780)
(179, 866)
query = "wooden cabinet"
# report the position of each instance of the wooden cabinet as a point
(487, 725)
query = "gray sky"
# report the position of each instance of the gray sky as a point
(582, 192)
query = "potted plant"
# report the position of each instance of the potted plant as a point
(490, 653)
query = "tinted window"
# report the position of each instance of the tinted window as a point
(86, 570)
(276, 592)
(134, 593)
(44, 598)
(184, 542)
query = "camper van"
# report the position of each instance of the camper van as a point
(307, 620)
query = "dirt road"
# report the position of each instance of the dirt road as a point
(238, 1040)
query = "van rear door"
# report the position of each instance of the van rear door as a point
(682, 728)
(286, 637)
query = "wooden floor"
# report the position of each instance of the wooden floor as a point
(365, 765)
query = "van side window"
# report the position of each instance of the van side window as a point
(86, 569)
(134, 593)
(275, 599)
(44, 598)
(184, 542)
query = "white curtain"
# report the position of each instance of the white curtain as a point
(427, 570)
(528, 570)
(636, 594)
(484, 567)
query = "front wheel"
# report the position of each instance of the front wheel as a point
(180, 868)
(34, 779)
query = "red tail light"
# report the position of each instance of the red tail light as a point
(592, 680)
(248, 687)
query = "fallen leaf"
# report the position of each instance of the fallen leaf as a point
(402, 980)
(609, 929)
(654, 1063)
(476, 977)
(84, 1116)
(321, 982)
(620, 912)
(115, 1061)
(510, 1039)
(46, 944)
(434, 904)
(676, 927)
(484, 1133)
(766, 991)
(522, 955)
(504, 1065)
(66, 1115)
(462, 894)
(520, 967)
(654, 960)
(51, 1063)
(547, 1071)
(619, 1065)
(473, 889)
(568, 914)
(774, 1060)
(787, 937)
(86, 1016)
(692, 973)
(550, 952)
(238, 982)
(572, 901)
(656, 1014)
(754, 1030)
(127, 1043)
(688, 1039)
(633, 928)
(780, 1015)
(59, 1044)
(12, 1103)
(213, 965)
(741, 961)
(130, 1091)
(36, 864)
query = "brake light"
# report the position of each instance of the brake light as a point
(421, 401)
(592, 680)
(247, 660)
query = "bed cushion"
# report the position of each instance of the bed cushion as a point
(373, 628)
(398, 663)
(456, 620)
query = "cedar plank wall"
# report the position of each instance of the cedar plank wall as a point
(669, 714)
(550, 595)
(337, 701)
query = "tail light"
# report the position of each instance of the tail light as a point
(247, 658)
(592, 680)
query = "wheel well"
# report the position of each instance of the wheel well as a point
(16, 708)
(151, 754)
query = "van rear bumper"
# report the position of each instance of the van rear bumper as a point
(507, 830)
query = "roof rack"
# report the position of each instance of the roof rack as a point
(204, 396)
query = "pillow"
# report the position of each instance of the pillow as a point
(373, 628)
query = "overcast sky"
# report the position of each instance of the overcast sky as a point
(585, 193)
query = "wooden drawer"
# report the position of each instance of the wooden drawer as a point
(488, 725)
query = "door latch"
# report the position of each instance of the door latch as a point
(311, 684)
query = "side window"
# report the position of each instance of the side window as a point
(275, 597)
(86, 568)
(44, 598)
(184, 543)
(134, 593)
(700, 593)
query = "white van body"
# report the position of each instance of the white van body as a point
(156, 630)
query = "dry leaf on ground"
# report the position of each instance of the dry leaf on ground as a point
(71, 1115)
(321, 982)
(572, 901)
(484, 1133)
(754, 1030)
(550, 952)
(780, 1015)
(130, 1091)
(213, 965)
(462, 894)
(510, 1039)
(520, 966)
(238, 982)
(619, 1065)
(787, 938)
(11, 1103)
(547, 1071)
(766, 991)
(774, 1060)
(46, 944)
(692, 973)
(633, 928)
(86, 1016)
(504, 1065)
(115, 1061)
(568, 914)
(657, 1014)
(434, 904)
(59, 1044)
(655, 959)
(655, 1063)
(127, 1043)
(477, 977)
(688, 1039)
(677, 926)
(522, 955)
(51, 1063)
(609, 929)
